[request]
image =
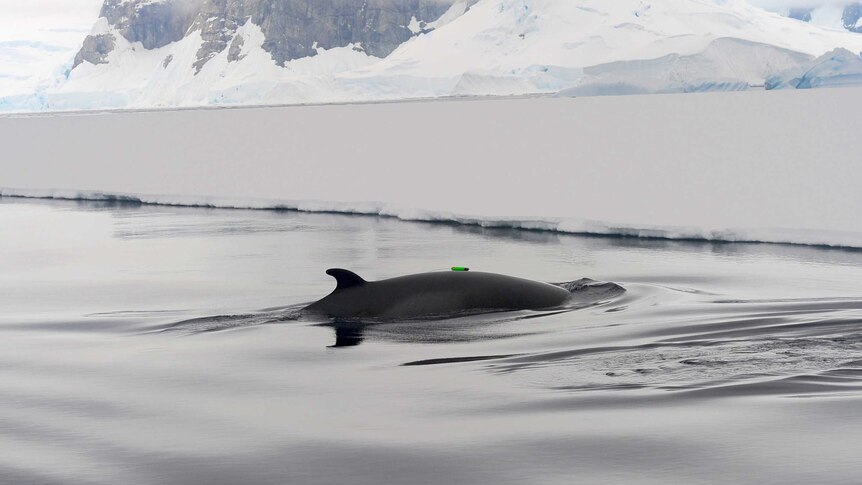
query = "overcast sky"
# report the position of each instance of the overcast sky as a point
(24, 18)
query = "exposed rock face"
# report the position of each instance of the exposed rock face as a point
(852, 14)
(235, 52)
(153, 23)
(95, 49)
(803, 14)
(292, 28)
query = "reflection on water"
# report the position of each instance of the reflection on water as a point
(150, 344)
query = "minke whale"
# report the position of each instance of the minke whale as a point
(434, 294)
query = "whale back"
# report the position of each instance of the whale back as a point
(434, 294)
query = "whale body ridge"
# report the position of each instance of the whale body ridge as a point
(438, 293)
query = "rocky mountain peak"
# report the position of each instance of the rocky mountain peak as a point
(293, 28)
(852, 17)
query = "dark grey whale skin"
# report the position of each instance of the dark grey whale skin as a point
(434, 294)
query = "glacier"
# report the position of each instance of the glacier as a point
(838, 68)
(726, 64)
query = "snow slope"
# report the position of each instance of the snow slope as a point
(499, 47)
(165, 76)
(500, 35)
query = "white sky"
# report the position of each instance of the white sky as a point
(25, 19)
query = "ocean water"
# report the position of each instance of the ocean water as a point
(153, 344)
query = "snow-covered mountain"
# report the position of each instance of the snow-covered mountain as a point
(164, 53)
(838, 68)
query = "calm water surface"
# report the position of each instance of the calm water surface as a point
(146, 344)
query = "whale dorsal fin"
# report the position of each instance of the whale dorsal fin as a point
(344, 278)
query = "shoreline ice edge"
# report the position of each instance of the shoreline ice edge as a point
(573, 226)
